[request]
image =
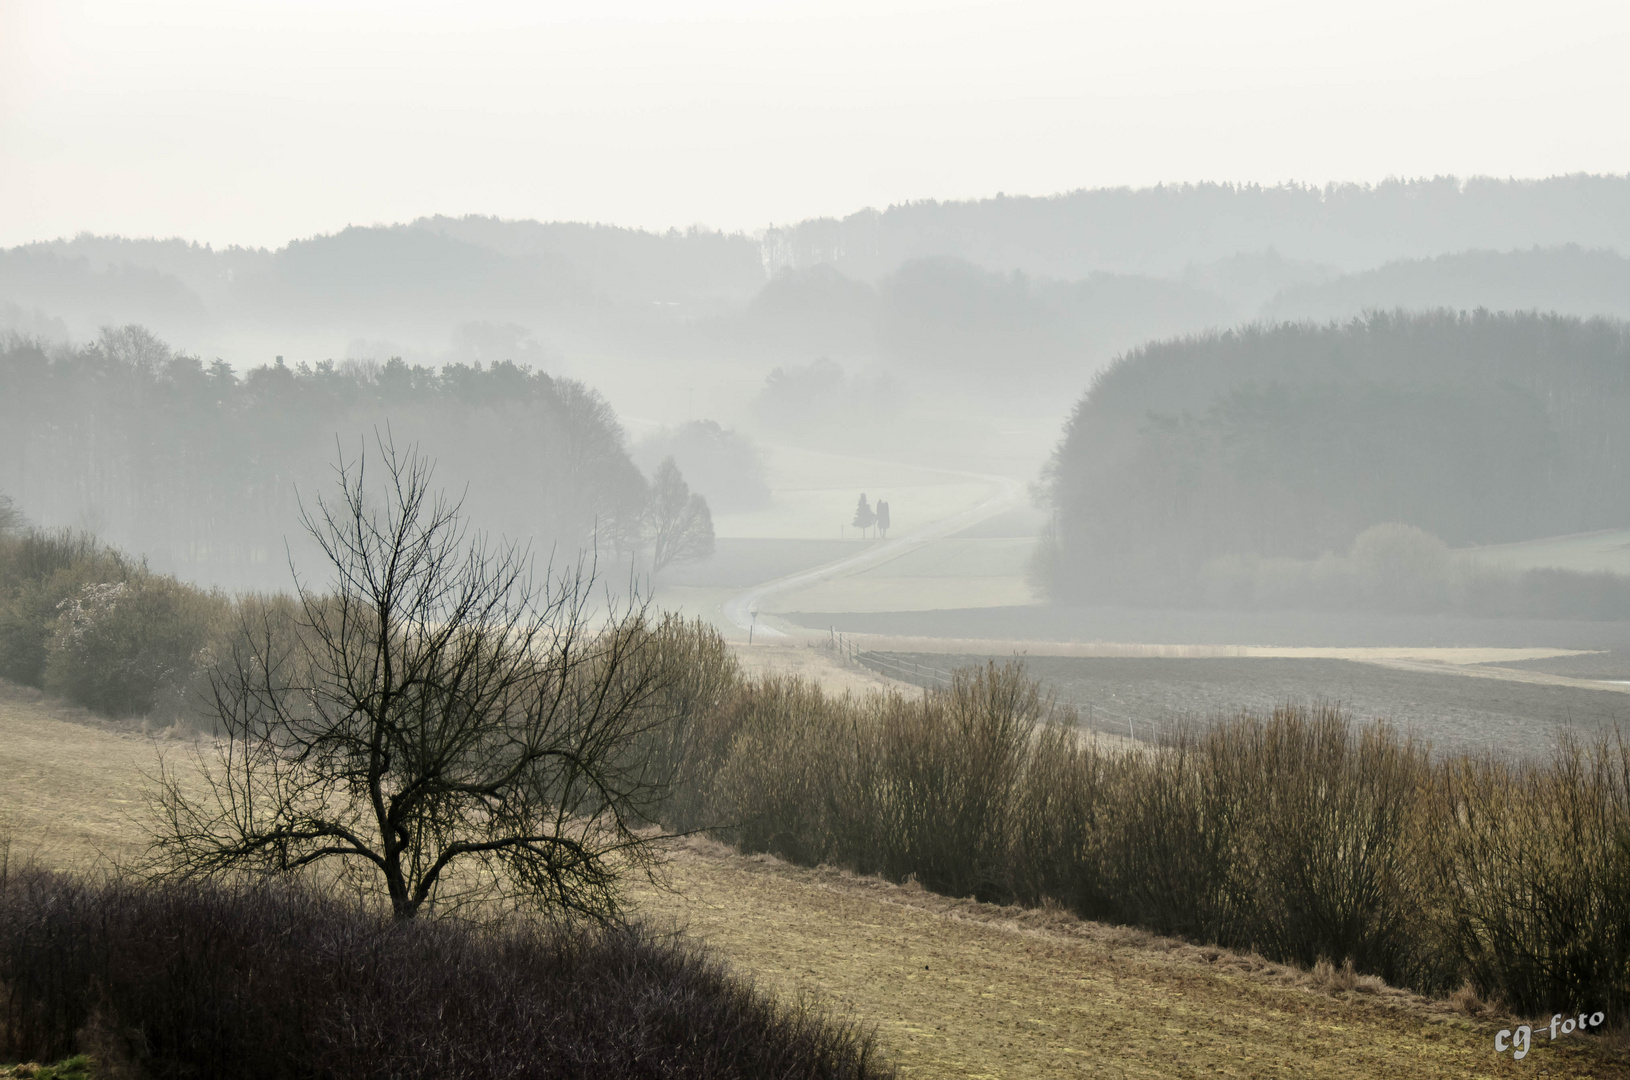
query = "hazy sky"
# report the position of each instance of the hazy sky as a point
(253, 123)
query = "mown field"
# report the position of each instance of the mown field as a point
(954, 988)
(1044, 622)
(1458, 712)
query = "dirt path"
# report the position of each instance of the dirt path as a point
(809, 661)
(740, 610)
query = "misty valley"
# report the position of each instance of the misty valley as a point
(884, 645)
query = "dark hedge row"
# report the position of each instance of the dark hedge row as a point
(278, 983)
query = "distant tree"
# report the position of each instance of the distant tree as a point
(679, 522)
(11, 518)
(819, 403)
(197, 467)
(882, 518)
(865, 516)
(433, 722)
(724, 465)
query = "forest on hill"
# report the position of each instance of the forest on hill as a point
(943, 293)
(1569, 280)
(1263, 459)
(1160, 231)
(203, 470)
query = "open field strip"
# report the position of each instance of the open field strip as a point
(1493, 671)
(813, 663)
(1480, 663)
(813, 495)
(1449, 656)
(955, 989)
(1606, 549)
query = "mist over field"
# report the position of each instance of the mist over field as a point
(1041, 537)
(1258, 383)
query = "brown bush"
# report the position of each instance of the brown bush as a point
(1294, 833)
(278, 982)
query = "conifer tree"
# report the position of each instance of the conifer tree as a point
(865, 517)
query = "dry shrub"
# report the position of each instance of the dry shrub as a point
(183, 980)
(951, 766)
(1535, 858)
(84, 622)
(788, 785)
(1294, 834)
(39, 570)
(1469, 1001)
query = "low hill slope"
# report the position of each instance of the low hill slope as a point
(954, 988)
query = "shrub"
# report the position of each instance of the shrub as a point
(1293, 833)
(81, 620)
(38, 571)
(1536, 858)
(255, 982)
(118, 646)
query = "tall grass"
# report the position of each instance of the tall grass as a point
(1295, 833)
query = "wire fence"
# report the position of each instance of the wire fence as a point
(929, 677)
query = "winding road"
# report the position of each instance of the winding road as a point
(739, 609)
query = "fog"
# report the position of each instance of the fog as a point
(1038, 327)
(257, 123)
(1165, 465)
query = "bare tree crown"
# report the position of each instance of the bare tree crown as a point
(436, 721)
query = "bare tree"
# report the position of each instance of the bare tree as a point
(434, 723)
(681, 526)
(11, 518)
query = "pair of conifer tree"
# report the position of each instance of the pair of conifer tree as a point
(867, 516)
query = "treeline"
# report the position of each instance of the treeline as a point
(406, 275)
(1567, 280)
(203, 470)
(946, 318)
(1162, 230)
(1288, 441)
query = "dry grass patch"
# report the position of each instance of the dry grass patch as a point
(956, 988)
(74, 784)
(962, 989)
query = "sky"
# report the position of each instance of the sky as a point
(259, 122)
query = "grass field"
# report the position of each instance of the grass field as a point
(1605, 550)
(813, 495)
(954, 988)
(953, 573)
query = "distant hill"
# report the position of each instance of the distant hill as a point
(1287, 441)
(1159, 231)
(1008, 295)
(1569, 280)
